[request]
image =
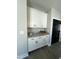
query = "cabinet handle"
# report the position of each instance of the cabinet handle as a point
(32, 39)
(39, 37)
(36, 42)
(34, 25)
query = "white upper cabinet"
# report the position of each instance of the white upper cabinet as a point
(36, 18)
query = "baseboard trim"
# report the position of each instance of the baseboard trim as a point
(49, 44)
(22, 56)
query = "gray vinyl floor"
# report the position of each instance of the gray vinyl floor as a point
(53, 52)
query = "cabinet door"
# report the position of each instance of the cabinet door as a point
(34, 18)
(31, 44)
(42, 41)
(45, 40)
(39, 44)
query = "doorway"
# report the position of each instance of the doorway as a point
(56, 31)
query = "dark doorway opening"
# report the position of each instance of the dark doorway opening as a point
(55, 31)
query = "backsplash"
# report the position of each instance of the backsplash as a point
(35, 30)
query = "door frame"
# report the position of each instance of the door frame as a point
(50, 34)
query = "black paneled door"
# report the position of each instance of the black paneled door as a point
(55, 31)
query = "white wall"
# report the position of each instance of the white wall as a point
(21, 29)
(48, 21)
(52, 14)
(55, 14)
(36, 6)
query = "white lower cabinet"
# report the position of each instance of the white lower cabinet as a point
(37, 42)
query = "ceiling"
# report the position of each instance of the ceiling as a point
(45, 5)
